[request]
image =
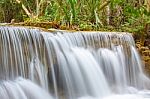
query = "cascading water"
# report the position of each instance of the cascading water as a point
(22, 89)
(77, 65)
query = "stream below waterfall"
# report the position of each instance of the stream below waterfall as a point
(70, 65)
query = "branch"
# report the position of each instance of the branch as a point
(25, 9)
(104, 5)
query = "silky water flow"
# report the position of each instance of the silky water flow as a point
(70, 65)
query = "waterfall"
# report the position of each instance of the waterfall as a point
(70, 65)
(22, 89)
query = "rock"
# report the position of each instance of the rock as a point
(147, 67)
(143, 48)
(146, 58)
(138, 45)
(146, 53)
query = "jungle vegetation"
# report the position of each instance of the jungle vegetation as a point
(120, 15)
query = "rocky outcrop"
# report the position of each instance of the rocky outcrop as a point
(145, 54)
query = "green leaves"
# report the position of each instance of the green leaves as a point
(73, 1)
(72, 5)
(116, 2)
(89, 14)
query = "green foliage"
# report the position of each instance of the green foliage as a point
(116, 2)
(72, 4)
(119, 15)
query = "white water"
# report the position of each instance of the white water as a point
(22, 89)
(78, 65)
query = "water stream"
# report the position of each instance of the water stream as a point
(70, 65)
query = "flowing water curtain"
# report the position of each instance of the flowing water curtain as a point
(71, 65)
(22, 89)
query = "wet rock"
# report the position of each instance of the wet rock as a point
(145, 54)
(147, 67)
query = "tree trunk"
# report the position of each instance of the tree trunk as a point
(25, 9)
